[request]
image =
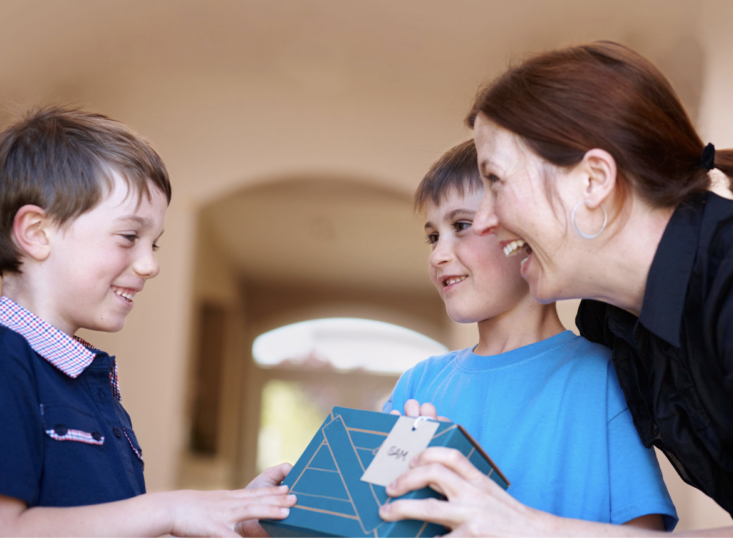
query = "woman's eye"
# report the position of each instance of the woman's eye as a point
(492, 178)
(432, 238)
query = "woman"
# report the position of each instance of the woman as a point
(593, 166)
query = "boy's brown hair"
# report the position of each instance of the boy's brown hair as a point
(457, 170)
(61, 159)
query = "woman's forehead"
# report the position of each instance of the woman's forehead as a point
(506, 154)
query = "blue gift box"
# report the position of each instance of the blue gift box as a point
(332, 499)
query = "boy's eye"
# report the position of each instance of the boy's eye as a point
(463, 224)
(155, 247)
(132, 237)
(432, 238)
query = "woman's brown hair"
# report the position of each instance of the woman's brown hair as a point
(604, 95)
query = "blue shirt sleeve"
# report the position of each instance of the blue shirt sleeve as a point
(399, 396)
(21, 426)
(637, 486)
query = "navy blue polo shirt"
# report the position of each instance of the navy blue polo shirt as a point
(65, 439)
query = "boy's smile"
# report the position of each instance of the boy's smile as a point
(99, 261)
(471, 273)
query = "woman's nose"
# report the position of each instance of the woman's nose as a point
(485, 221)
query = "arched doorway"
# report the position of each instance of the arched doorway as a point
(286, 252)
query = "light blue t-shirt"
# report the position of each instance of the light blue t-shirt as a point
(553, 418)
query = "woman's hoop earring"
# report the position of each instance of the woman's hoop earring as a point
(585, 235)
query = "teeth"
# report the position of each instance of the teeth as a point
(125, 293)
(513, 247)
(450, 281)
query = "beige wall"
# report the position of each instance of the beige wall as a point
(240, 93)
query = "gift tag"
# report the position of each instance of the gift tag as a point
(408, 438)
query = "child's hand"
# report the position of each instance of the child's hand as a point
(271, 477)
(223, 513)
(414, 409)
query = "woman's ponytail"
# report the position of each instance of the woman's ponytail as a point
(724, 163)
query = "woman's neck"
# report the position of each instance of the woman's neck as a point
(618, 269)
(525, 324)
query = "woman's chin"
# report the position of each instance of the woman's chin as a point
(541, 292)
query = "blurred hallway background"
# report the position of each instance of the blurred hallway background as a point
(295, 132)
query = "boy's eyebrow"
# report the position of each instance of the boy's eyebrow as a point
(452, 214)
(132, 218)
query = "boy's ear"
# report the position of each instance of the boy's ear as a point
(31, 229)
(600, 177)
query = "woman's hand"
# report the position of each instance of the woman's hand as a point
(413, 408)
(476, 506)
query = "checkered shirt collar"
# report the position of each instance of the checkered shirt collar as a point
(70, 355)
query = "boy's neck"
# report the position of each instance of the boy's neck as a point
(15, 288)
(526, 324)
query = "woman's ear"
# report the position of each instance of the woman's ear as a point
(31, 230)
(600, 172)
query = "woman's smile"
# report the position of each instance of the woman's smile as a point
(515, 207)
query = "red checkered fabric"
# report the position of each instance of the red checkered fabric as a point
(138, 452)
(70, 355)
(75, 435)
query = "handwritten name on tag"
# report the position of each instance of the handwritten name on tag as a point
(408, 438)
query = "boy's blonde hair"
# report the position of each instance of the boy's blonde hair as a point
(61, 159)
(457, 170)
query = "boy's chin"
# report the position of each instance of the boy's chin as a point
(108, 326)
(463, 317)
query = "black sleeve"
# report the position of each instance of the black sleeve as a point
(591, 321)
(721, 316)
(21, 426)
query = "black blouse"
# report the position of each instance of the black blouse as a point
(675, 361)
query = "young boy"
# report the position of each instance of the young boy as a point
(544, 403)
(82, 205)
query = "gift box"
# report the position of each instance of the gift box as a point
(333, 501)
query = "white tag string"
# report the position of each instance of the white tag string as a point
(421, 418)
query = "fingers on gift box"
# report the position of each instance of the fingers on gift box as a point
(334, 500)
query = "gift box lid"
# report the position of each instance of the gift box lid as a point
(332, 499)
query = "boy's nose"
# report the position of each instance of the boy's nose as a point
(440, 254)
(485, 221)
(147, 266)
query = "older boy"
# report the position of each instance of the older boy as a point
(544, 403)
(82, 203)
